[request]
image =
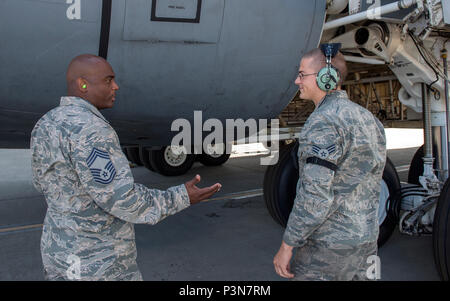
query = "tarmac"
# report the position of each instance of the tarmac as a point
(231, 237)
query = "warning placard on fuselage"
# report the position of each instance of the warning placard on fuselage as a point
(187, 11)
(194, 21)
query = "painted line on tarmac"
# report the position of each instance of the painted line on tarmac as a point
(238, 195)
(20, 228)
(231, 196)
(402, 168)
(259, 192)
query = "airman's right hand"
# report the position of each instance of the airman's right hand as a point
(197, 194)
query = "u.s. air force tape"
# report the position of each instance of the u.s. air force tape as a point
(321, 162)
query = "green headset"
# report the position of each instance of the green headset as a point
(328, 77)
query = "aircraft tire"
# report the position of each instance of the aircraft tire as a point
(124, 151)
(391, 206)
(416, 166)
(144, 154)
(441, 233)
(280, 184)
(166, 163)
(268, 175)
(216, 159)
(208, 160)
(133, 155)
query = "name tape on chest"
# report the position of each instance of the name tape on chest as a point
(101, 166)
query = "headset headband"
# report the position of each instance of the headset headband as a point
(328, 78)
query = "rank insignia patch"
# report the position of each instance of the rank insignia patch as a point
(101, 166)
(324, 153)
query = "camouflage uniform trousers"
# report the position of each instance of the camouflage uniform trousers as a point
(318, 261)
(51, 273)
(136, 276)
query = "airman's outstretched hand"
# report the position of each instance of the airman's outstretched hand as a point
(197, 194)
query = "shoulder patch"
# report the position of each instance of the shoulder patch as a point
(324, 153)
(101, 166)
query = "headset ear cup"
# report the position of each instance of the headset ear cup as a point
(328, 78)
(335, 76)
(323, 80)
(318, 79)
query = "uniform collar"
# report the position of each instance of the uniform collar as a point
(334, 94)
(80, 102)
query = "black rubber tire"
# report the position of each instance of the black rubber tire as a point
(441, 233)
(268, 188)
(208, 160)
(268, 176)
(275, 189)
(133, 155)
(124, 151)
(416, 166)
(160, 165)
(287, 175)
(280, 183)
(392, 180)
(152, 155)
(144, 154)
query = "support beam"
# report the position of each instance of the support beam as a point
(370, 13)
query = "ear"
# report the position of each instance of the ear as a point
(82, 84)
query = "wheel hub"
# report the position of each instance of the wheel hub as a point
(215, 151)
(175, 155)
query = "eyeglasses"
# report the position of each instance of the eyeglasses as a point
(301, 75)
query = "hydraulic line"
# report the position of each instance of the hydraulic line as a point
(447, 108)
(370, 14)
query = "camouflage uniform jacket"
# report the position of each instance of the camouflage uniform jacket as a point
(342, 153)
(93, 202)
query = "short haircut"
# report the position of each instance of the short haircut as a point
(319, 61)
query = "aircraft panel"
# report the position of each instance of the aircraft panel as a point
(248, 73)
(161, 20)
(38, 42)
(239, 60)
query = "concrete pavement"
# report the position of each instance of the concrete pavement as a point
(231, 238)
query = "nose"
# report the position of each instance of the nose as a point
(297, 80)
(115, 85)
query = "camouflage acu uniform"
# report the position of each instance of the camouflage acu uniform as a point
(92, 199)
(334, 222)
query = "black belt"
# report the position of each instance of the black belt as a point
(321, 162)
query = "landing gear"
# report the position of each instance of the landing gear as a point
(124, 151)
(389, 206)
(174, 160)
(216, 155)
(133, 155)
(171, 161)
(441, 233)
(416, 167)
(280, 183)
(144, 154)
